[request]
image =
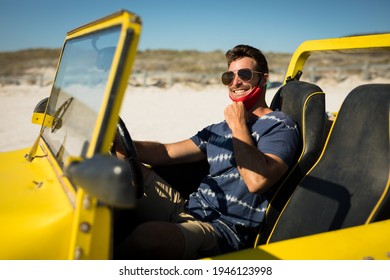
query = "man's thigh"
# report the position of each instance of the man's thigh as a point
(200, 237)
(160, 201)
(163, 203)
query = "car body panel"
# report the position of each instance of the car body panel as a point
(38, 206)
(356, 243)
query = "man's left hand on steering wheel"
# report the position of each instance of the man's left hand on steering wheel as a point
(123, 147)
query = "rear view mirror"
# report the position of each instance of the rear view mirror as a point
(105, 177)
(104, 58)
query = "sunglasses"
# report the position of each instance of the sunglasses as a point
(245, 75)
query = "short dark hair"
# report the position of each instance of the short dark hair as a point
(241, 51)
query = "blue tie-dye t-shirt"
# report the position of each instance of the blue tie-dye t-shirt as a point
(222, 198)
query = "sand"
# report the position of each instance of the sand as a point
(150, 113)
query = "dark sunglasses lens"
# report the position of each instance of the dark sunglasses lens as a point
(245, 74)
(227, 78)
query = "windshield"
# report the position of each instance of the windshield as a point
(78, 92)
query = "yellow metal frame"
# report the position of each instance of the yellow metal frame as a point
(91, 234)
(372, 43)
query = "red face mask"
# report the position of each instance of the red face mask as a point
(250, 99)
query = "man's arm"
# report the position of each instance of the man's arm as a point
(259, 171)
(155, 153)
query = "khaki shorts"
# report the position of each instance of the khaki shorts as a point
(163, 203)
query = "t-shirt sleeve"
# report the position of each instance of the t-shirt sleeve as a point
(201, 138)
(282, 141)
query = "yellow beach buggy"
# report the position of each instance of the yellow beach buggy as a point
(67, 196)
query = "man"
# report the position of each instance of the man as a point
(248, 153)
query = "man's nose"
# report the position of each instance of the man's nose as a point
(236, 80)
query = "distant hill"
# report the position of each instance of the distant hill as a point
(189, 61)
(18, 62)
(153, 66)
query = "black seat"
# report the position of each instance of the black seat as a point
(349, 185)
(305, 103)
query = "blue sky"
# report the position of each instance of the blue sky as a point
(205, 25)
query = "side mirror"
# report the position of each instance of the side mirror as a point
(107, 178)
(42, 119)
(39, 116)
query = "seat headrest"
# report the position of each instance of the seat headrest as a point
(305, 103)
(292, 97)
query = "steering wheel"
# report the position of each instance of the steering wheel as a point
(125, 146)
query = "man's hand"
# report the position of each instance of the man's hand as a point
(236, 115)
(259, 171)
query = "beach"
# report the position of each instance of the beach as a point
(150, 113)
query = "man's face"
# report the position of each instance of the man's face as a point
(238, 87)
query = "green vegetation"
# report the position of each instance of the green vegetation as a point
(19, 62)
(188, 61)
(191, 65)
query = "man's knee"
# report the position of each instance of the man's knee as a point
(156, 240)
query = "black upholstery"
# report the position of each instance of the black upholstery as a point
(305, 103)
(349, 185)
(184, 177)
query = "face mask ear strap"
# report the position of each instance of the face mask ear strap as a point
(260, 80)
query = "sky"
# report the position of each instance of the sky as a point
(203, 25)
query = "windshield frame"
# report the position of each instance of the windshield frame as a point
(116, 83)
